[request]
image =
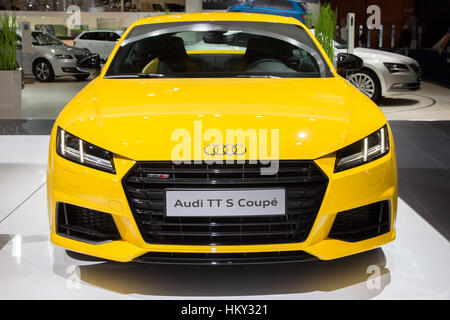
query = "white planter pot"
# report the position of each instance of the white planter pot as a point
(10, 94)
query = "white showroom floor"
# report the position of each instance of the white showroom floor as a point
(414, 266)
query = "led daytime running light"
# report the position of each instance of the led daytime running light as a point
(366, 150)
(82, 152)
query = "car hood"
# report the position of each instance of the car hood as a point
(142, 119)
(383, 56)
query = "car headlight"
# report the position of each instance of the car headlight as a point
(74, 149)
(63, 56)
(396, 67)
(363, 151)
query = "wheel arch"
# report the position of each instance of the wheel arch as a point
(40, 58)
(379, 77)
(51, 76)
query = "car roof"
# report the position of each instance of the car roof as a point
(217, 16)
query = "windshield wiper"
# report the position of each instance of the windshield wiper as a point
(151, 75)
(121, 76)
(161, 75)
(256, 76)
(135, 75)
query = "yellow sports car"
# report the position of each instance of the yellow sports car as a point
(218, 138)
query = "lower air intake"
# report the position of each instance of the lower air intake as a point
(362, 223)
(85, 224)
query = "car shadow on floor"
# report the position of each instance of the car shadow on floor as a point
(26, 127)
(396, 102)
(29, 80)
(364, 276)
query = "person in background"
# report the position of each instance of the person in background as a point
(343, 30)
(444, 42)
(444, 49)
(405, 41)
(362, 41)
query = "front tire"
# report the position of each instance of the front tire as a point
(43, 71)
(367, 82)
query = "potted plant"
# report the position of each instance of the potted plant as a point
(10, 74)
(325, 28)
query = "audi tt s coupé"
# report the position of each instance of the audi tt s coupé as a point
(219, 138)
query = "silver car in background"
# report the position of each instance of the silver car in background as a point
(50, 58)
(383, 72)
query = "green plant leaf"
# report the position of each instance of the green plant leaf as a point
(325, 28)
(8, 43)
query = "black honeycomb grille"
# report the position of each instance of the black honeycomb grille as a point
(304, 182)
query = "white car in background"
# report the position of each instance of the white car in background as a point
(383, 72)
(101, 42)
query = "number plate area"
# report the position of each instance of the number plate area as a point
(225, 202)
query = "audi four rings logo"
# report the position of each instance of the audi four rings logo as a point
(225, 149)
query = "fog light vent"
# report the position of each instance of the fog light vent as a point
(85, 224)
(362, 223)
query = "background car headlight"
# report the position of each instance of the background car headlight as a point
(74, 149)
(363, 151)
(63, 56)
(396, 67)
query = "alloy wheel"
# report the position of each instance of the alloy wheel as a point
(42, 71)
(363, 83)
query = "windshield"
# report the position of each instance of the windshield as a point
(45, 39)
(218, 49)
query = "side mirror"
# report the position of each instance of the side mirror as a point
(348, 62)
(90, 64)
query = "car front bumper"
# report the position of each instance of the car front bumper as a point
(71, 183)
(65, 67)
(404, 81)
